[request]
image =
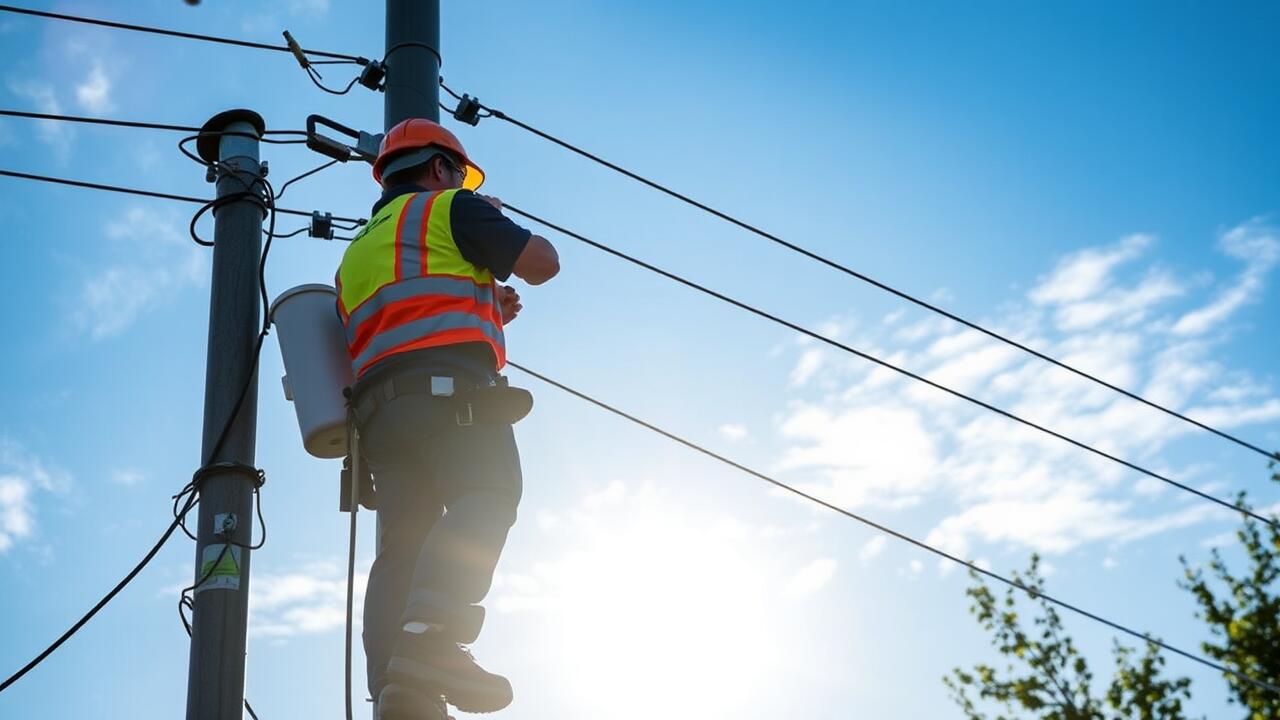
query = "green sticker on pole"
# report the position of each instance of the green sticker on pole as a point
(220, 566)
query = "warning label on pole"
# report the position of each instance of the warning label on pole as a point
(220, 567)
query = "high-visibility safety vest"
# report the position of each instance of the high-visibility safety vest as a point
(403, 285)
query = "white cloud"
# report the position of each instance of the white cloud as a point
(872, 548)
(128, 477)
(58, 136)
(94, 93)
(22, 475)
(733, 431)
(868, 438)
(811, 578)
(310, 600)
(1258, 245)
(156, 261)
(880, 455)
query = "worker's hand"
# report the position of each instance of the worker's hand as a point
(492, 201)
(509, 303)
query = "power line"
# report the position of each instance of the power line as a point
(899, 535)
(902, 294)
(115, 122)
(176, 33)
(92, 611)
(188, 496)
(147, 193)
(97, 121)
(885, 364)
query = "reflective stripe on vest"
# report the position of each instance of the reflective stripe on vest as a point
(403, 285)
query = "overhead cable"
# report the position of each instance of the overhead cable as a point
(833, 264)
(885, 364)
(973, 567)
(176, 33)
(148, 193)
(188, 496)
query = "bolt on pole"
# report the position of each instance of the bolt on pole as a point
(215, 682)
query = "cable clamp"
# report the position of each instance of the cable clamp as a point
(321, 225)
(372, 75)
(297, 51)
(257, 475)
(468, 110)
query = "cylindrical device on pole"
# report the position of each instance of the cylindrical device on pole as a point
(215, 683)
(413, 61)
(316, 364)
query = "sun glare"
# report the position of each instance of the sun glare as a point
(660, 614)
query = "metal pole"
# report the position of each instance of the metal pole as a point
(413, 61)
(412, 90)
(215, 683)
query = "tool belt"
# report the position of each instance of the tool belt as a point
(492, 402)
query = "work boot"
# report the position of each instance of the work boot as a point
(435, 665)
(399, 702)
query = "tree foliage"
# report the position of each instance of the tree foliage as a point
(1045, 676)
(1243, 613)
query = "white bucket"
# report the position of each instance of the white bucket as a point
(316, 364)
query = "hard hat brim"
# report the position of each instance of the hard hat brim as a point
(472, 178)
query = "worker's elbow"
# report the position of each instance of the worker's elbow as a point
(538, 263)
(541, 272)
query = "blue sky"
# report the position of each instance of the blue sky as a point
(1101, 181)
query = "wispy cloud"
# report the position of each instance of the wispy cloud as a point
(156, 261)
(866, 437)
(58, 136)
(733, 431)
(94, 92)
(22, 476)
(811, 578)
(308, 600)
(1258, 245)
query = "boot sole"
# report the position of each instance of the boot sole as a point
(397, 702)
(466, 696)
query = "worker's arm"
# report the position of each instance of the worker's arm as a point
(538, 262)
(489, 239)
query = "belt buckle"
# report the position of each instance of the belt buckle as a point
(465, 416)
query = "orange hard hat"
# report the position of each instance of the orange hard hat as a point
(419, 134)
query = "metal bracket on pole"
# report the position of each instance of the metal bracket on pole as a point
(365, 148)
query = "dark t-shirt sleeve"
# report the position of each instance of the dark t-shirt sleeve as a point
(485, 236)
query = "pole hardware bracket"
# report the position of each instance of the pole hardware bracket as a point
(321, 225)
(468, 110)
(296, 49)
(372, 75)
(225, 524)
(365, 147)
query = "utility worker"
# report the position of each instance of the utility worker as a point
(424, 323)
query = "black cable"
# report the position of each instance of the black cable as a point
(185, 601)
(97, 121)
(176, 33)
(351, 576)
(92, 611)
(316, 79)
(885, 364)
(149, 193)
(306, 174)
(899, 535)
(191, 498)
(902, 294)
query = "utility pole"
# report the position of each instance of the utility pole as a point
(413, 61)
(412, 88)
(215, 682)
